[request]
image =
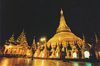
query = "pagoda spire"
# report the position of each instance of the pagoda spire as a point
(96, 37)
(34, 40)
(33, 44)
(62, 26)
(84, 42)
(83, 38)
(11, 40)
(22, 37)
(61, 11)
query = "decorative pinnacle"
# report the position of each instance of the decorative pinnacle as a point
(23, 29)
(13, 34)
(61, 11)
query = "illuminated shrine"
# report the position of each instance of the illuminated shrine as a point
(18, 47)
(64, 44)
(97, 47)
(71, 44)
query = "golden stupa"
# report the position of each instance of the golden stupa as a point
(64, 35)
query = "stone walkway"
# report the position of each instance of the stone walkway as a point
(42, 62)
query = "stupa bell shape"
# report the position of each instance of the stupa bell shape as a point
(62, 26)
(63, 35)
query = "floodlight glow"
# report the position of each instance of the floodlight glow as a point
(43, 39)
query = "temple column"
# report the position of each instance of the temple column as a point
(68, 54)
(77, 54)
(82, 52)
(9, 50)
(96, 53)
(71, 54)
(12, 51)
(5, 50)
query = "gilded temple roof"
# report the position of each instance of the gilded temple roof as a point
(63, 33)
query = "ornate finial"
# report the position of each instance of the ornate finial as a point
(83, 37)
(23, 29)
(96, 37)
(61, 11)
(13, 34)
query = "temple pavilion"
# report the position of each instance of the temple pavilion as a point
(18, 47)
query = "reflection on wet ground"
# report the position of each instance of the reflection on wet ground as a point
(41, 62)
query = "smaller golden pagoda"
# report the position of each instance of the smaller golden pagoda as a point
(97, 47)
(18, 47)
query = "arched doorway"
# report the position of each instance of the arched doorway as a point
(57, 55)
(42, 55)
(86, 54)
(74, 55)
(99, 55)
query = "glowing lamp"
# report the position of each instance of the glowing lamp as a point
(43, 39)
(38, 43)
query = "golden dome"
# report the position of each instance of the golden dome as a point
(63, 34)
(64, 37)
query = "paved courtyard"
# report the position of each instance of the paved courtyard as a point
(42, 62)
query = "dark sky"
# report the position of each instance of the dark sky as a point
(41, 18)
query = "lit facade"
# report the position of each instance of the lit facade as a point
(97, 47)
(64, 44)
(72, 45)
(18, 47)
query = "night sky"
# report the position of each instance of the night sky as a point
(41, 18)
